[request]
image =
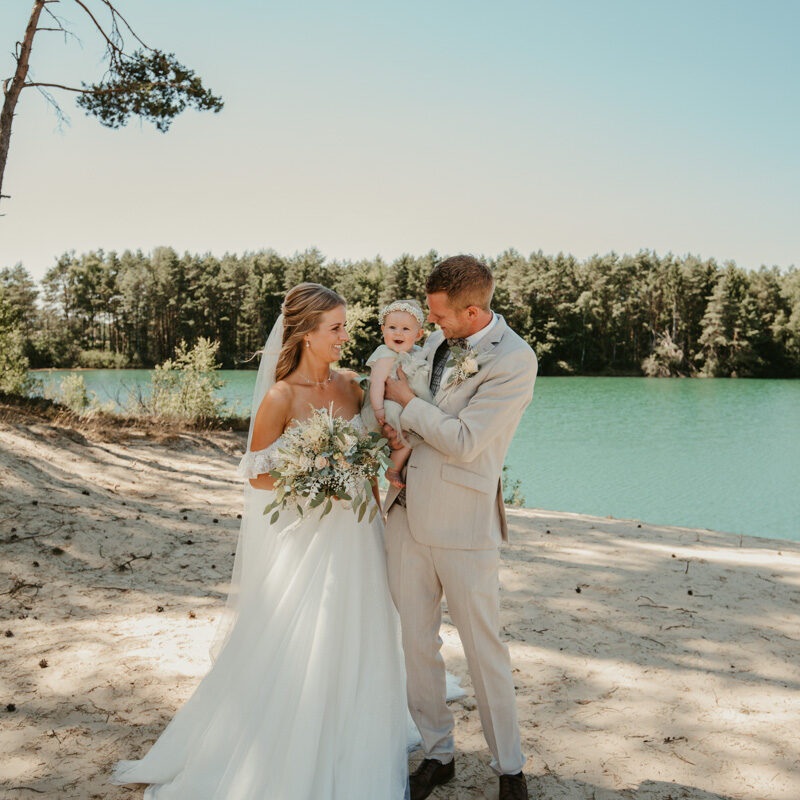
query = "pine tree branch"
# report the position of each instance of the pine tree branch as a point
(58, 86)
(112, 45)
(125, 22)
(101, 91)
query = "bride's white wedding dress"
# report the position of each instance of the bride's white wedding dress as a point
(306, 699)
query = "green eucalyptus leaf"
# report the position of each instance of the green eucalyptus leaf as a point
(318, 498)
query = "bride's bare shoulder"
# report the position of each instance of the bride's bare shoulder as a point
(349, 375)
(350, 378)
(278, 397)
(272, 415)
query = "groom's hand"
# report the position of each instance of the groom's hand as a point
(397, 389)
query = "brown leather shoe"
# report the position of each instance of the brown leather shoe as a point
(513, 787)
(430, 774)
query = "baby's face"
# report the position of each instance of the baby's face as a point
(401, 331)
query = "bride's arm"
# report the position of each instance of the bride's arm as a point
(358, 394)
(271, 419)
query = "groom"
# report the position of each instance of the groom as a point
(443, 530)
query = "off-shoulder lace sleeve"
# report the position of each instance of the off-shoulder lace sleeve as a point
(255, 463)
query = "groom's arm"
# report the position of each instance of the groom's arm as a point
(505, 393)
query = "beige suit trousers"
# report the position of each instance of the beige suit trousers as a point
(418, 574)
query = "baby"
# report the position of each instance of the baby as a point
(401, 324)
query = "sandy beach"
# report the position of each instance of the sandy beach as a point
(650, 662)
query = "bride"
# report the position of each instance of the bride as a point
(306, 696)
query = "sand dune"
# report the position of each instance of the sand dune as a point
(651, 662)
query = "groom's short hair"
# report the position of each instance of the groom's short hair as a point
(466, 281)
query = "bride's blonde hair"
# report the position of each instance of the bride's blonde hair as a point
(302, 308)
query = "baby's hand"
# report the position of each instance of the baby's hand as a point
(380, 415)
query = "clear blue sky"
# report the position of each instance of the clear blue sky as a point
(367, 128)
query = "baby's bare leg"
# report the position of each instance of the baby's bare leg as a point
(399, 458)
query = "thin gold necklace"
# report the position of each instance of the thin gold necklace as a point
(317, 383)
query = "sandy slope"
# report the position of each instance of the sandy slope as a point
(672, 673)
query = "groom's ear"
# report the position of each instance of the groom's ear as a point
(473, 312)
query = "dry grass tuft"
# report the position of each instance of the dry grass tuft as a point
(102, 426)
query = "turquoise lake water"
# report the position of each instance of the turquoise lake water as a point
(713, 453)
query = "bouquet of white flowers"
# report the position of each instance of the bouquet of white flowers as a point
(326, 458)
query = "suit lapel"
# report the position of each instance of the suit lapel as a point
(484, 346)
(493, 337)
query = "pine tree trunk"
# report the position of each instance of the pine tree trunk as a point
(13, 86)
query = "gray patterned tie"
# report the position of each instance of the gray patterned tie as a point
(440, 360)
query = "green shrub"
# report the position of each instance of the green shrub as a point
(666, 360)
(512, 489)
(72, 393)
(101, 359)
(185, 388)
(14, 377)
(54, 345)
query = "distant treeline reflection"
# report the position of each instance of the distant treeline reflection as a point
(612, 314)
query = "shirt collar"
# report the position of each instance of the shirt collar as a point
(476, 337)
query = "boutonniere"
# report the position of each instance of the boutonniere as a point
(463, 364)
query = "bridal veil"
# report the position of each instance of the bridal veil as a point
(251, 531)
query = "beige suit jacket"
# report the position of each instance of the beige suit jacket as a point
(454, 494)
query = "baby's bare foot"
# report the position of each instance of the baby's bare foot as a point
(393, 476)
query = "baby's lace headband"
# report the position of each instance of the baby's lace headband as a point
(409, 306)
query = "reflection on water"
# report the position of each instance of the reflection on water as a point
(715, 453)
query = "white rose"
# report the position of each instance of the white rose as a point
(469, 365)
(320, 462)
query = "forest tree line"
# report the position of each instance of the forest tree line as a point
(609, 314)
